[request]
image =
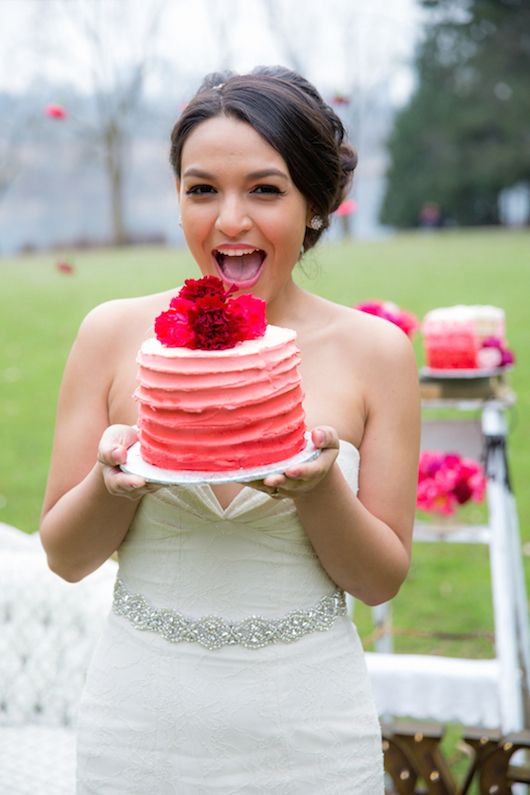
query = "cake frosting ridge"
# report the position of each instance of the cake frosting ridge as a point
(219, 410)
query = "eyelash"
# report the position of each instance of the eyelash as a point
(269, 189)
(203, 190)
(199, 190)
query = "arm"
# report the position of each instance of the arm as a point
(364, 542)
(85, 514)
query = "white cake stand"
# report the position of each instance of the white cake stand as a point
(135, 465)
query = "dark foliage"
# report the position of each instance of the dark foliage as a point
(465, 134)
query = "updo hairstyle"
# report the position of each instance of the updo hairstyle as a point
(289, 113)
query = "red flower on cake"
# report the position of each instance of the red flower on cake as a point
(173, 327)
(212, 324)
(197, 288)
(204, 316)
(248, 315)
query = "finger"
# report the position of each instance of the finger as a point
(275, 481)
(325, 437)
(114, 443)
(121, 485)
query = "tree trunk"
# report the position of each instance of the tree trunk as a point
(114, 156)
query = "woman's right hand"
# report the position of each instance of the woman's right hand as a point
(112, 451)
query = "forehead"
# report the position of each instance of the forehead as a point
(227, 141)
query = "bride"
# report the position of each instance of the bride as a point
(261, 161)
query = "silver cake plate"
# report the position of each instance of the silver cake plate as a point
(135, 465)
(442, 375)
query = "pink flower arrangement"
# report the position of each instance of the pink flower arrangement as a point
(446, 480)
(392, 312)
(204, 316)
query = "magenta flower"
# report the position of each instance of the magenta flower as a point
(204, 316)
(446, 480)
(55, 112)
(390, 311)
(493, 353)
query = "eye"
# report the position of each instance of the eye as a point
(273, 190)
(199, 190)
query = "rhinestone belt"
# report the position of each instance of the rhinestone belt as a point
(213, 632)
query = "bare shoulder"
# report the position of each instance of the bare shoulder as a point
(120, 322)
(369, 340)
(113, 314)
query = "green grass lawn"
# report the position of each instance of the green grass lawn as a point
(448, 588)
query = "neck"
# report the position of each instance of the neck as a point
(287, 307)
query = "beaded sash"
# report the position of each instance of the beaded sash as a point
(213, 632)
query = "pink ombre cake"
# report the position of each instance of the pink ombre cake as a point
(218, 410)
(464, 337)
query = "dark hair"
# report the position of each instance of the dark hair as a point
(289, 113)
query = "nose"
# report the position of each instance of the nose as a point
(233, 218)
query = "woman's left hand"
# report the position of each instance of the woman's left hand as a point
(302, 478)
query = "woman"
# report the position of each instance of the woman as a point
(260, 164)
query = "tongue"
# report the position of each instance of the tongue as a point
(243, 267)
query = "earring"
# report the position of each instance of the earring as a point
(180, 220)
(316, 223)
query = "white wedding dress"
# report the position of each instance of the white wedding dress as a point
(290, 718)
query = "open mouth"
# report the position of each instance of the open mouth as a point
(240, 266)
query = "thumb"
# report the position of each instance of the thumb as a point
(324, 436)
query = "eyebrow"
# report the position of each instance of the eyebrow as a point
(261, 174)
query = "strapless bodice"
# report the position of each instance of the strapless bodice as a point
(184, 551)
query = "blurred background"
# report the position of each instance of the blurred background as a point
(117, 72)
(434, 95)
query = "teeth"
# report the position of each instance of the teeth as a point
(237, 252)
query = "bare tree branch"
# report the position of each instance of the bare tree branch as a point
(116, 90)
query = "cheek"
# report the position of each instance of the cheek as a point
(291, 235)
(196, 228)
